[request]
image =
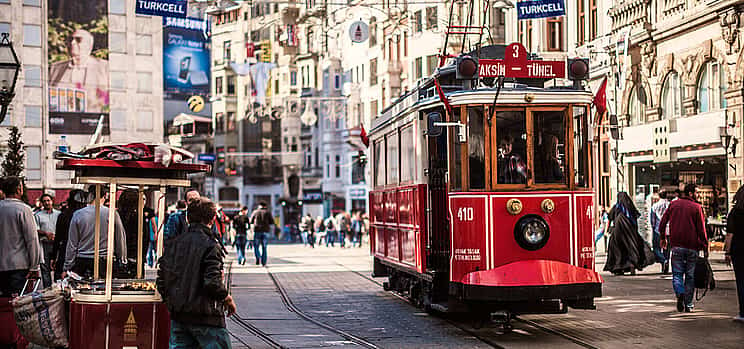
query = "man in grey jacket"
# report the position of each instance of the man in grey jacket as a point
(81, 242)
(20, 252)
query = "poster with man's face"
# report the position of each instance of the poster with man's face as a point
(78, 65)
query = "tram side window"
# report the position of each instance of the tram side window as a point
(379, 163)
(476, 148)
(407, 155)
(549, 146)
(511, 134)
(455, 151)
(581, 141)
(393, 158)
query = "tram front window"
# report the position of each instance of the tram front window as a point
(476, 148)
(511, 133)
(549, 146)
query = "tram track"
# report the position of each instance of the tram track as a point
(478, 336)
(256, 332)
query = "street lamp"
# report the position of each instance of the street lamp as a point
(9, 67)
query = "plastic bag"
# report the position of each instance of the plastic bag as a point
(40, 316)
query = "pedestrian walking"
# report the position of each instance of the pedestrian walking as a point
(240, 224)
(46, 222)
(261, 222)
(320, 230)
(307, 226)
(343, 221)
(80, 253)
(357, 225)
(734, 247)
(20, 254)
(152, 247)
(330, 229)
(76, 200)
(604, 226)
(176, 223)
(687, 238)
(626, 251)
(655, 214)
(190, 282)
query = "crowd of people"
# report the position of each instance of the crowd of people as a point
(678, 238)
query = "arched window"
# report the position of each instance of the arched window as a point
(671, 96)
(711, 86)
(637, 105)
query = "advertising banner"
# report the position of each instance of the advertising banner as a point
(164, 8)
(540, 9)
(77, 123)
(186, 66)
(78, 60)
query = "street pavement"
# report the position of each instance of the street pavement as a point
(332, 286)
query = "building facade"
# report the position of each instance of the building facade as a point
(122, 80)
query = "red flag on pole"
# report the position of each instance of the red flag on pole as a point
(600, 100)
(364, 137)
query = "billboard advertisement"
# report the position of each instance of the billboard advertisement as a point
(186, 66)
(78, 62)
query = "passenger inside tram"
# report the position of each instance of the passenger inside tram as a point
(511, 167)
(511, 135)
(550, 146)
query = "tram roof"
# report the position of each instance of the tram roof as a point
(425, 96)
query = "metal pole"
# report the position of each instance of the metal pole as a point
(97, 233)
(110, 241)
(140, 221)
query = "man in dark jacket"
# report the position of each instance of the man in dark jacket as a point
(190, 282)
(687, 238)
(261, 221)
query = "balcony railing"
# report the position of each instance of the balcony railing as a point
(630, 14)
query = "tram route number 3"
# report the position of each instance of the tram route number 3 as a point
(465, 214)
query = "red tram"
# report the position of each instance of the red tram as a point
(482, 198)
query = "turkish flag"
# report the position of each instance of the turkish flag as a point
(600, 100)
(364, 137)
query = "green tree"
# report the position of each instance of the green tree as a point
(13, 163)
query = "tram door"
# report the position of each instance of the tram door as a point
(439, 235)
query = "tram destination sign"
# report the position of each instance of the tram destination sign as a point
(516, 65)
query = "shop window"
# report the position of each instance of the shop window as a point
(144, 82)
(580, 22)
(549, 144)
(393, 158)
(581, 147)
(33, 116)
(637, 105)
(31, 35)
(476, 148)
(33, 163)
(372, 32)
(32, 75)
(511, 134)
(671, 96)
(710, 87)
(379, 159)
(407, 154)
(555, 33)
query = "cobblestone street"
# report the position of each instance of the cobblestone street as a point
(325, 298)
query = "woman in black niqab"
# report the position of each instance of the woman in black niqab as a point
(626, 251)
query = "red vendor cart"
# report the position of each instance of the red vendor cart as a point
(123, 313)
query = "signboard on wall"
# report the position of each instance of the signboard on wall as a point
(186, 65)
(78, 62)
(77, 123)
(540, 9)
(164, 8)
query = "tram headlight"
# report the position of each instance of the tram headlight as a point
(531, 232)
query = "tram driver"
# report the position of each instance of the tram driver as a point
(511, 167)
